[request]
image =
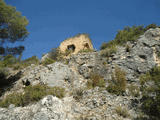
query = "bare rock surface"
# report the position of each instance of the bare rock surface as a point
(93, 104)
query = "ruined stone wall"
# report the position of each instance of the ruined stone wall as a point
(77, 43)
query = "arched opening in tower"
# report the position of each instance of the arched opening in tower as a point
(86, 46)
(71, 47)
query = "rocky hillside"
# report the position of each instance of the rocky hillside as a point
(95, 87)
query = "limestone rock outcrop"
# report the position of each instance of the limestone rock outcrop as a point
(93, 104)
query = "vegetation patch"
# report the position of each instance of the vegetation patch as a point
(54, 54)
(96, 80)
(128, 34)
(47, 61)
(25, 63)
(31, 95)
(78, 94)
(85, 51)
(150, 86)
(3, 79)
(118, 83)
(107, 52)
(13, 28)
(122, 112)
(10, 61)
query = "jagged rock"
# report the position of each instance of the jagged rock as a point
(93, 104)
(48, 108)
(142, 56)
(88, 62)
(84, 70)
(56, 74)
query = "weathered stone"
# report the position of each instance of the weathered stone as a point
(77, 43)
(96, 103)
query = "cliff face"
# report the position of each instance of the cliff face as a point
(80, 102)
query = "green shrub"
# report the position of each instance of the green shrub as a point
(128, 34)
(14, 98)
(3, 80)
(85, 51)
(18, 66)
(78, 94)
(118, 83)
(56, 91)
(8, 61)
(150, 87)
(32, 94)
(35, 93)
(122, 112)
(95, 80)
(25, 63)
(15, 63)
(109, 51)
(151, 26)
(48, 61)
(31, 60)
(3, 72)
(108, 44)
(54, 54)
(103, 46)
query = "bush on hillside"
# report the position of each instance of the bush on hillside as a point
(118, 82)
(107, 52)
(15, 63)
(85, 51)
(47, 61)
(109, 44)
(3, 75)
(128, 34)
(31, 60)
(8, 61)
(122, 111)
(150, 86)
(27, 62)
(32, 94)
(78, 93)
(151, 26)
(95, 80)
(54, 54)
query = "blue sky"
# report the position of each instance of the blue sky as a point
(52, 21)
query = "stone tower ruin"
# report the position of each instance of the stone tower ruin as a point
(76, 44)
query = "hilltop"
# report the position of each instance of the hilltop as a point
(119, 82)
